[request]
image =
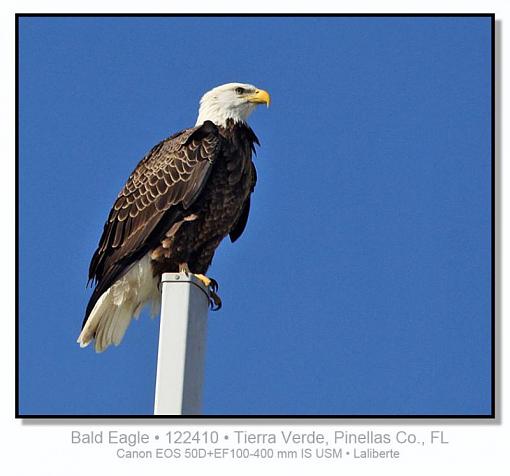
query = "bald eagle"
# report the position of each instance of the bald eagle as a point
(187, 194)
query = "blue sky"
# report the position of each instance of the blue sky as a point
(362, 282)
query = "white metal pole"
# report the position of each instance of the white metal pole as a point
(182, 338)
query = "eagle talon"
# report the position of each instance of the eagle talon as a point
(214, 301)
(183, 268)
(212, 286)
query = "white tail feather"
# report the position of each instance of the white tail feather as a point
(123, 301)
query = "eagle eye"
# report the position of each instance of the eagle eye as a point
(239, 90)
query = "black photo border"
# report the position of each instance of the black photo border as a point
(489, 416)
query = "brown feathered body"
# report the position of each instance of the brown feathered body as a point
(217, 211)
(183, 198)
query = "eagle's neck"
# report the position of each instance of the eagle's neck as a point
(220, 113)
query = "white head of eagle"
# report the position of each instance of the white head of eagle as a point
(235, 101)
(187, 194)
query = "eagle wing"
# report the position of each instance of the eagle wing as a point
(163, 185)
(240, 225)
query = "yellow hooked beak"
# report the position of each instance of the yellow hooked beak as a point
(260, 97)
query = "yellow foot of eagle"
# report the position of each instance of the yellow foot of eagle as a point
(212, 285)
